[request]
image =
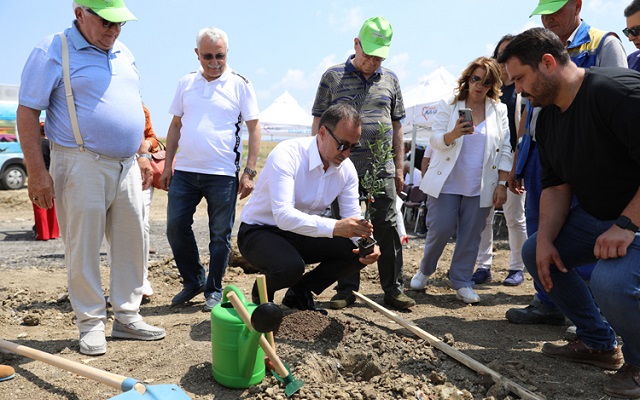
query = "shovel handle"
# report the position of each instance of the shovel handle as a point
(110, 379)
(261, 281)
(450, 351)
(246, 318)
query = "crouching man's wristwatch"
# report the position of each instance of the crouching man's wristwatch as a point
(626, 223)
(251, 172)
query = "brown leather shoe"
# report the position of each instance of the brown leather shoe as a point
(625, 383)
(578, 352)
(6, 373)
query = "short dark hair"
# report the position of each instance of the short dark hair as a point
(337, 113)
(532, 44)
(506, 38)
(632, 8)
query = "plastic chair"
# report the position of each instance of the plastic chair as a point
(415, 201)
(499, 222)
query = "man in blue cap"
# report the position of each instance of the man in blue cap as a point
(97, 176)
(375, 92)
(587, 47)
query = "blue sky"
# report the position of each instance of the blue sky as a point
(286, 45)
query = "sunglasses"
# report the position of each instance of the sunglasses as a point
(209, 56)
(342, 146)
(476, 79)
(368, 57)
(635, 31)
(106, 24)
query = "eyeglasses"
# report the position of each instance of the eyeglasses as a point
(217, 56)
(368, 57)
(106, 24)
(635, 31)
(342, 146)
(476, 79)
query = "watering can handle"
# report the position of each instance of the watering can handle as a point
(110, 379)
(232, 289)
(246, 318)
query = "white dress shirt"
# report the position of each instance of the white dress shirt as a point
(293, 189)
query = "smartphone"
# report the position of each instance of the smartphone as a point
(465, 114)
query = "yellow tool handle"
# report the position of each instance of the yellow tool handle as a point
(261, 281)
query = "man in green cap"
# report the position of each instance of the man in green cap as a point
(375, 92)
(99, 164)
(587, 47)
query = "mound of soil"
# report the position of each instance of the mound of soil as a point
(355, 353)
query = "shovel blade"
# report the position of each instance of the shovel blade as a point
(155, 392)
(293, 386)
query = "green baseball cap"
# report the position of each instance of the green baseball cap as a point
(111, 10)
(546, 7)
(375, 36)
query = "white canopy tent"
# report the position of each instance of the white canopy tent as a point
(421, 101)
(421, 104)
(285, 117)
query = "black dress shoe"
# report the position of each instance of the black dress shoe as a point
(302, 300)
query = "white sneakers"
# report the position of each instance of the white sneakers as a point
(467, 295)
(138, 330)
(93, 343)
(419, 281)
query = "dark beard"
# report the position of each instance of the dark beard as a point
(547, 90)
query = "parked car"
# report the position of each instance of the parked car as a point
(13, 173)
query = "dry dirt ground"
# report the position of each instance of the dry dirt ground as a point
(356, 353)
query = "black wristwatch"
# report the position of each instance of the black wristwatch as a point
(251, 172)
(626, 223)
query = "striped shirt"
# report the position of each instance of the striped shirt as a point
(377, 99)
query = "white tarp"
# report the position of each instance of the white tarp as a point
(421, 101)
(284, 116)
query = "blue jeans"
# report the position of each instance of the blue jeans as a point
(185, 193)
(615, 284)
(531, 178)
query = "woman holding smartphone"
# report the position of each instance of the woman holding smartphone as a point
(467, 174)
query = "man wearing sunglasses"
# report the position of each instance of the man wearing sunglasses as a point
(632, 31)
(587, 47)
(282, 230)
(95, 177)
(209, 108)
(375, 92)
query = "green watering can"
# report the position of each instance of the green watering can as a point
(237, 359)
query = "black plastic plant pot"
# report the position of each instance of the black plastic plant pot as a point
(366, 246)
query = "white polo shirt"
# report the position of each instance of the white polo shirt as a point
(212, 114)
(293, 189)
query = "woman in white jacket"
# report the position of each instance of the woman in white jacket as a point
(467, 174)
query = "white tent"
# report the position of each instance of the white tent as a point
(421, 101)
(285, 117)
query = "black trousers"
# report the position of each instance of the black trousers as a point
(282, 257)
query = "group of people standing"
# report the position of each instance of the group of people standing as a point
(580, 169)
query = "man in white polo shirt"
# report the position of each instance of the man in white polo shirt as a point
(209, 108)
